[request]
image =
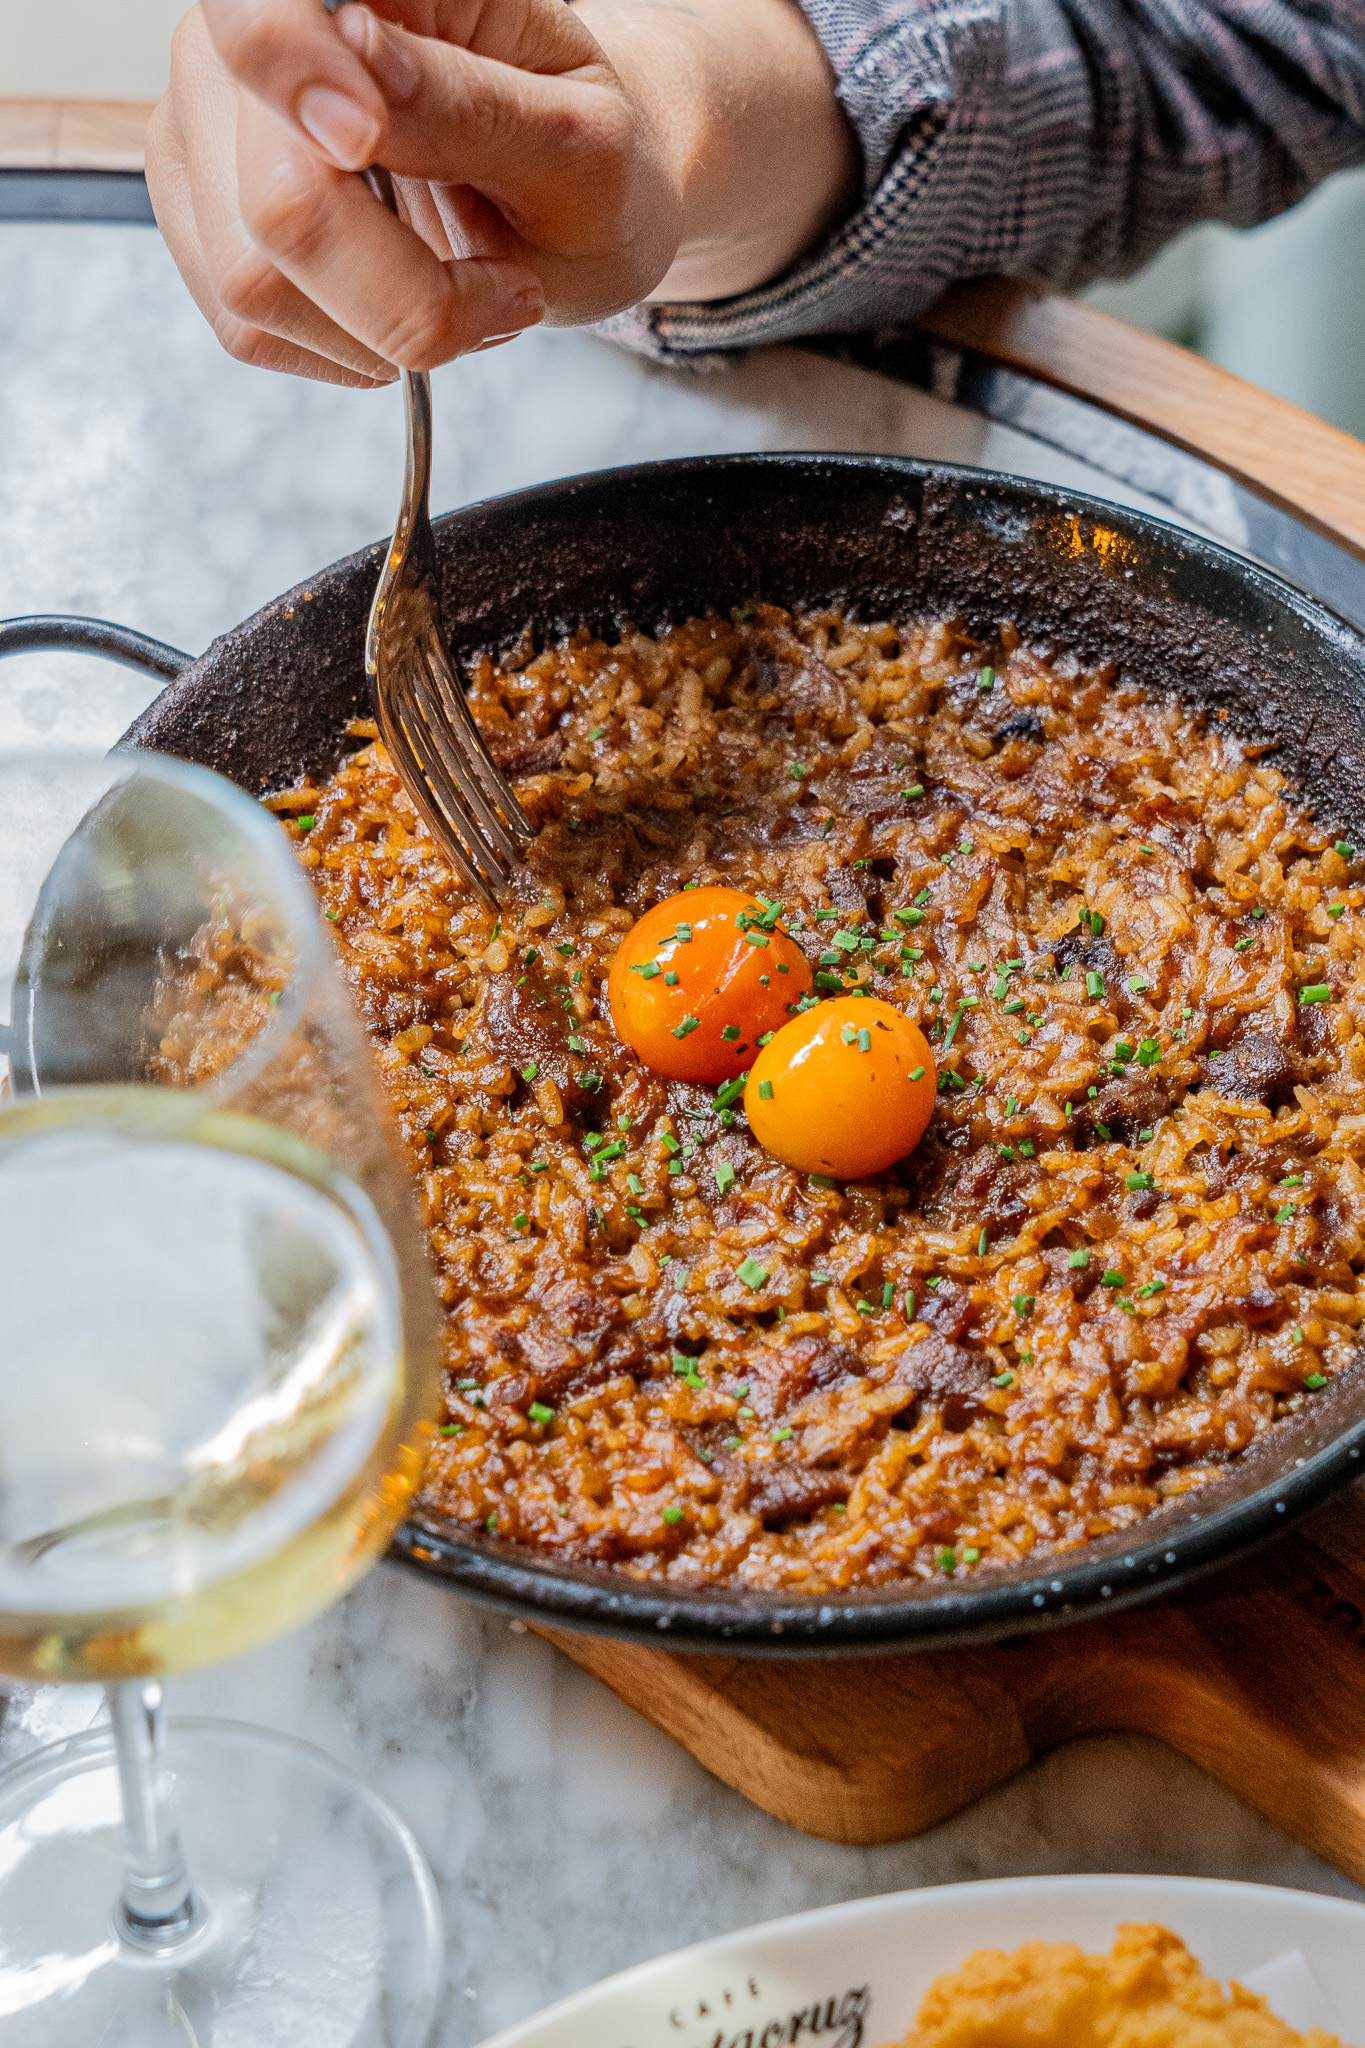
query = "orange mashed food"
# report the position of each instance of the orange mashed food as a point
(1149, 1992)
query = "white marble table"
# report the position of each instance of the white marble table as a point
(145, 477)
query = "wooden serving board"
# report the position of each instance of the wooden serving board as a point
(1258, 1673)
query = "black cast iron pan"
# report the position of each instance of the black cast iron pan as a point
(881, 537)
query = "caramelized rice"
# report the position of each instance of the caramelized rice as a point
(1130, 1239)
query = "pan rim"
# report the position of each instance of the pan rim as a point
(1161, 1553)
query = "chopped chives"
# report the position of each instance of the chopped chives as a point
(673, 1516)
(917, 1074)
(765, 1091)
(1319, 992)
(520, 1223)
(730, 1032)
(688, 1024)
(529, 1071)
(1345, 849)
(1313, 1381)
(1111, 1277)
(981, 1245)
(864, 1041)
(1079, 1259)
(1094, 985)
(538, 1412)
(915, 790)
(1004, 1379)
(1141, 1180)
(752, 1274)
(725, 1176)
(888, 1294)
(783, 1436)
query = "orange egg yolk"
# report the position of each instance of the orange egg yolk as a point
(846, 1089)
(700, 979)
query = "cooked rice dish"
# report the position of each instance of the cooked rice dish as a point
(1128, 1243)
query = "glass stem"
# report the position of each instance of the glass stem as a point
(157, 1909)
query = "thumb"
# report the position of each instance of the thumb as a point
(289, 54)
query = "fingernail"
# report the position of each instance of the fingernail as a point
(384, 53)
(527, 309)
(339, 126)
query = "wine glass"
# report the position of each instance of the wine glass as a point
(217, 1368)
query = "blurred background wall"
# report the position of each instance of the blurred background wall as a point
(1283, 304)
(86, 49)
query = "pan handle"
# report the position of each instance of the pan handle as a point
(48, 630)
(1309, 469)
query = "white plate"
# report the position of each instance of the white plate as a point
(852, 1976)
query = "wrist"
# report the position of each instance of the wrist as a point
(740, 100)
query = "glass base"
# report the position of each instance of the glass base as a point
(321, 1921)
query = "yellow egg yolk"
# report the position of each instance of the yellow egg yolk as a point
(700, 979)
(846, 1089)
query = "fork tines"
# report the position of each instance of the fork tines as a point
(440, 754)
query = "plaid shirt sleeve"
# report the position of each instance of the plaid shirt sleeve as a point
(1063, 140)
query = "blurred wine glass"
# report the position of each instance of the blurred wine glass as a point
(216, 1379)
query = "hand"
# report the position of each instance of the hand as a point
(546, 171)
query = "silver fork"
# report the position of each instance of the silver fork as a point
(419, 706)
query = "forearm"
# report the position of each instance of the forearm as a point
(1059, 139)
(742, 97)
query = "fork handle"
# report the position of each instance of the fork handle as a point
(416, 383)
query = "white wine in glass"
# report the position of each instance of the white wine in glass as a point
(216, 1381)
